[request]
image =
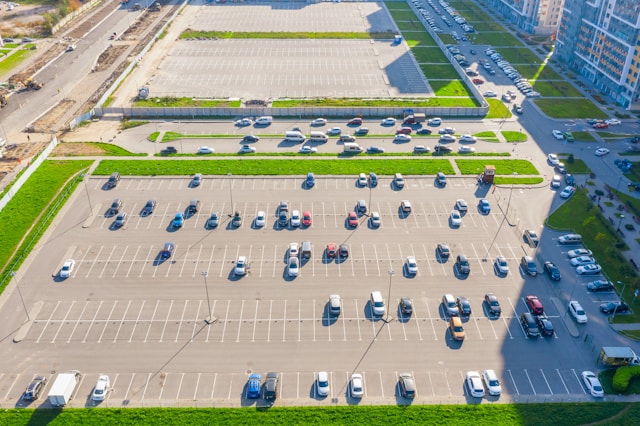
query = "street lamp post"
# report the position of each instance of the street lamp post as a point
(388, 318)
(230, 193)
(209, 318)
(620, 221)
(84, 179)
(26, 311)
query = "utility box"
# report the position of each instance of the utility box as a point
(62, 389)
(489, 174)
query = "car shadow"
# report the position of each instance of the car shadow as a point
(367, 310)
(286, 276)
(402, 317)
(328, 319)
(401, 400)
(441, 260)
(159, 260)
(341, 259)
(326, 259)
(171, 228)
(442, 313)
(450, 341)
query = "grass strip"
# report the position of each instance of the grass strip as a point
(101, 148)
(503, 167)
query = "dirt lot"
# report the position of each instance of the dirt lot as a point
(76, 149)
(24, 20)
(14, 154)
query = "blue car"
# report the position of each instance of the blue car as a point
(253, 387)
(484, 206)
(178, 220)
(311, 180)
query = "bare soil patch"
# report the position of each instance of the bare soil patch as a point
(76, 149)
(24, 20)
(16, 153)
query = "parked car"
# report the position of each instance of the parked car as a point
(575, 309)
(600, 285)
(35, 388)
(493, 306)
(253, 386)
(529, 265)
(531, 237)
(474, 384)
(553, 271)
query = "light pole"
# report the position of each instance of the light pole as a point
(620, 221)
(230, 193)
(13, 274)
(209, 319)
(84, 179)
(388, 318)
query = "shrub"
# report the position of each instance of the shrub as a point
(629, 226)
(570, 159)
(599, 192)
(623, 376)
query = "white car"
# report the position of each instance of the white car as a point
(411, 265)
(455, 218)
(568, 192)
(67, 268)
(293, 267)
(205, 150)
(322, 383)
(491, 382)
(593, 384)
(421, 149)
(466, 150)
(261, 219)
(356, 386)
(601, 151)
(461, 205)
(556, 181)
(582, 260)
(246, 149)
(389, 121)
(362, 179)
(474, 383)
(71, 48)
(308, 150)
(294, 250)
(435, 121)
(467, 138)
(501, 265)
(490, 94)
(319, 122)
(447, 138)
(558, 134)
(295, 218)
(101, 388)
(579, 252)
(334, 131)
(589, 269)
(243, 122)
(240, 269)
(577, 312)
(375, 219)
(402, 138)
(553, 159)
(613, 122)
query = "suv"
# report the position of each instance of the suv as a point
(462, 263)
(455, 326)
(441, 179)
(450, 306)
(194, 206)
(149, 207)
(373, 180)
(398, 180)
(529, 265)
(405, 206)
(35, 387)
(407, 385)
(335, 305)
(529, 324)
(271, 386)
(531, 237)
(115, 206)
(113, 180)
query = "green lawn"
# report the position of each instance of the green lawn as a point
(350, 102)
(449, 88)
(503, 167)
(432, 71)
(583, 136)
(497, 39)
(106, 148)
(569, 108)
(270, 167)
(565, 414)
(576, 167)
(497, 109)
(418, 38)
(12, 61)
(487, 136)
(518, 55)
(513, 136)
(429, 55)
(538, 72)
(556, 89)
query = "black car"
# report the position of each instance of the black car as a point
(282, 218)
(529, 324)
(250, 138)
(194, 206)
(424, 131)
(600, 285)
(552, 270)
(149, 208)
(462, 264)
(406, 305)
(343, 251)
(169, 150)
(443, 251)
(560, 168)
(362, 131)
(115, 206)
(311, 180)
(464, 306)
(271, 386)
(544, 325)
(35, 387)
(611, 307)
(492, 304)
(569, 179)
(441, 149)
(373, 180)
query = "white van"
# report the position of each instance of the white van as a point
(264, 120)
(294, 136)
(351, 147)
(318, 137)
(570, 239)
(377, 303)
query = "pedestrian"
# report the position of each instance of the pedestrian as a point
(29, 138)
(494, 189)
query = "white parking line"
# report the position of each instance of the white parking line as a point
(562, 380)
(513, 381)
(184, 262)
(12, 385)
(120, 261)
(240, 321)
(106, 323)
(151, 322)
(515, 316)
(135, 256)
(186, 302)
(478, 327)
(299, 319)
(94, 262)
(166, 321)
(358, 320)
(224, 257)
(197, 262)
(195, 391)
(146, 261)
(107, 262)
(135, 324)
(436, 215)
(62, 322)
(284, 322)
(313, 322)
(364, 261)
(180, 387)
(122, 321)
(255, 321)
(531, 384)
(546, 381)
(196, 320)
(166, 379)
(78, 321)
(433, 327)
(213, 386)
(478, 258)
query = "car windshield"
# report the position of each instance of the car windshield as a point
(65, 268)
(464, 262)
(99, 391)
(378, 304)
(494, 382)
(579, 311)
(494, 303)
(323, 383)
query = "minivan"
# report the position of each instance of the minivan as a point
(264, 120)
(305, 250)
(570, 239)
(377, 303)
(318, 137)
(351, 147)
(294, 136)
(113, 180)
(398, 180)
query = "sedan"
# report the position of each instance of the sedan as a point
(253, 386)
(492, 304)
(362, 131)
(375, 219)
(600, 285)
(241, 267)
(306, 218)
(553, 159)
(601, 152)
(534, 304)
(389, 121)
(322, 383)
(407, 385)
(582, 260)
(492, 383)
(558, 134)
(443, 251)
(355, 121)
(352, 219)
(406, 305)
(568, 192)
(435, 121)
(474, 383)
(250, 138)
(295, 218)
(589, 269)
(467, 138)
(577, 312)
(484, 206)
(307, 149)
(466, 150)
(544, 325)
(35, 388)
(178, 220)
(404, 131)
(601, 125)
(561, 168)
(552, 270)
(402, 138)
(423, 131)
(420, 149)
(331, 250)
(362, 179)
(593, 384)
(490, 94)
(243, 122)
(579, 252)
(318, 122)
(246, 149)
(464, 306)
(612, 121)
(447, 131)
(462, 264)
(375, 150)
(501, 265)
(411, 265)
(205, 150)
(293, 266)
(294, 250)
(447, 138)
(356, 386)
(67, 268)
(611, 307)
(440, 149)
(334, 131)
(101, 388)
(455, 218)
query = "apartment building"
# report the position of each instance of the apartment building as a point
(540, 17)
(600, 39)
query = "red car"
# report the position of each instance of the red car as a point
(535, 305)
(332, 250)
(353, 219)
(306, 218)
(404, 131)
(601, 125)
(478, 81)
(355, 121)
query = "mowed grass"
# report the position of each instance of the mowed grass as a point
(503, 167)
(12, 61)
(273, 167)
(449, 88)
(429, 55)
(518, 55)
(513, 136)
(558, 89)
(349, 102)
(482, 414)
(569, 108)
(418, 38)
(497, 39)
(497, 109)
(538, 72)
(102, 148)
(440, 72)
(23, 210)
